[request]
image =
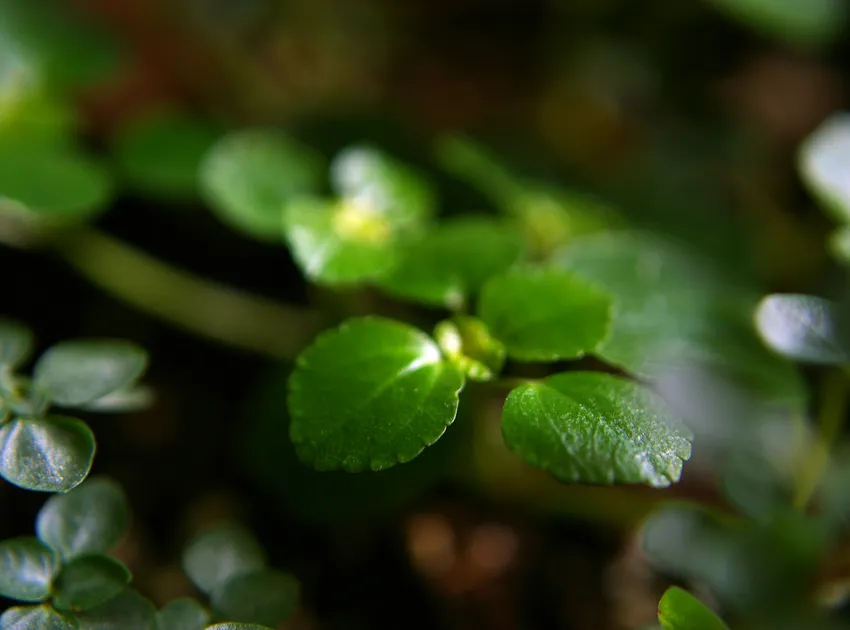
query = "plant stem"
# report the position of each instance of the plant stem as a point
(191, 302)
(833, 409)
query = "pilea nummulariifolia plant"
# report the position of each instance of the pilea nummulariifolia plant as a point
(612, 348)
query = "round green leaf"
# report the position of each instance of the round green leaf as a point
(77, 372)
(339, 242)
(265, 596)
(824, 163)
(183, 614)
(27, 568)
(36, 618)
(128, 610)
(16, 342)
(161, 153)
(454, 261)
(217, 555)
(89, 581)
(91, 518)
(370, 394)
(249, 176)
(368, 176)
(52, 181)
(545, 315)
(801, 327)
(52, 454)
(679, 610)
(589, 427)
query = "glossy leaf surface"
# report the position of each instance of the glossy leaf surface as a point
(370, 394)
(589, 427)
(27, 569)
(51, 454)
(36, 618)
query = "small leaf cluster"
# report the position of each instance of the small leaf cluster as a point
(541, 281)
(227, 564)
(64, 574)
(41, 450)
(65, 578)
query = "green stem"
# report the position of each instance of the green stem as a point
(190, 302)
(833, 409)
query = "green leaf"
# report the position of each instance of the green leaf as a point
(443, 268)
(824, 164)
(545, 315)
(52, 181)
(89, 581)
(369, 177)
(370, 394)
(339, 242)
(265, 596)
(466, 342)
(127, 610)
(809, 22)
(91, 518)
(77, 372)
(801, 327)
(237, 626)
(16, 341)
(589, 427)
(27, 568)
(217, 555)
(51, 454)
(679, 610)
(36, 618)
(160, 153)
(249, 176)
(183, 614)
